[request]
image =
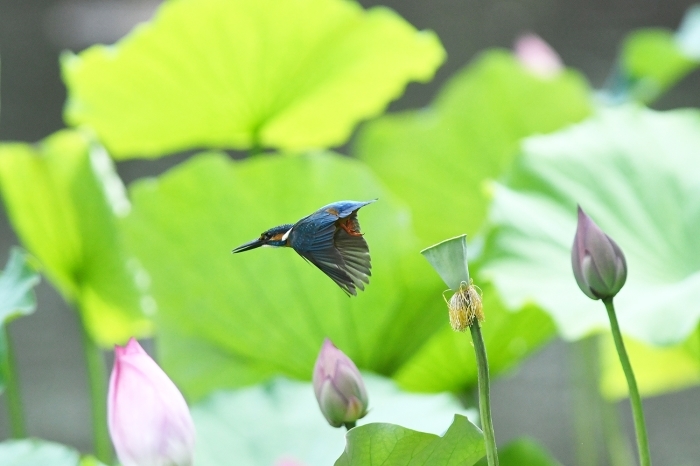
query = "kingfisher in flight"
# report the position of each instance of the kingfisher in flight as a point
(330, 239)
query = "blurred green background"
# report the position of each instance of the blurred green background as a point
(536, 398)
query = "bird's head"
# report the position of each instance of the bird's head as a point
(275, 237)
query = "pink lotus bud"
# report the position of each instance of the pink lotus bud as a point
(339, 387)
(599, 266)
(149, 421)
(538, 56)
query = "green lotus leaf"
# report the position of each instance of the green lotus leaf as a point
(280, 420)
(61, 196)
(688, 34)
(521, 452)
(17, 298)
(33, 452)
(438, 159)
(90, 461)
(17, 283)
(631, 170)
(653, 61)
(383, 444)
(291, 74)
(658, 370)
(230, 320)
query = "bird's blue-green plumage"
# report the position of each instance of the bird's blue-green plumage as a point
(329, 238)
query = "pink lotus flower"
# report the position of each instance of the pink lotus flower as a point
(538, 56)
(149, 421)
(339, 387)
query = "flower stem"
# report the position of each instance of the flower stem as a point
(635, 399)
(349, 425)
(12, 393)
(97, 378)
(484, 394)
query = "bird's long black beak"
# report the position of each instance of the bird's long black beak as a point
(256, 243)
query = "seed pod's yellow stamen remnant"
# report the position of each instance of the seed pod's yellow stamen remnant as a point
(465, 306)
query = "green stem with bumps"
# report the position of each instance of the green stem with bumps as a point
(12, 393)
(484, 394)
(97, 379)
(635, 399)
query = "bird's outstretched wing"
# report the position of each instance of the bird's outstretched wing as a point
(355, 254)
(340, 254)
